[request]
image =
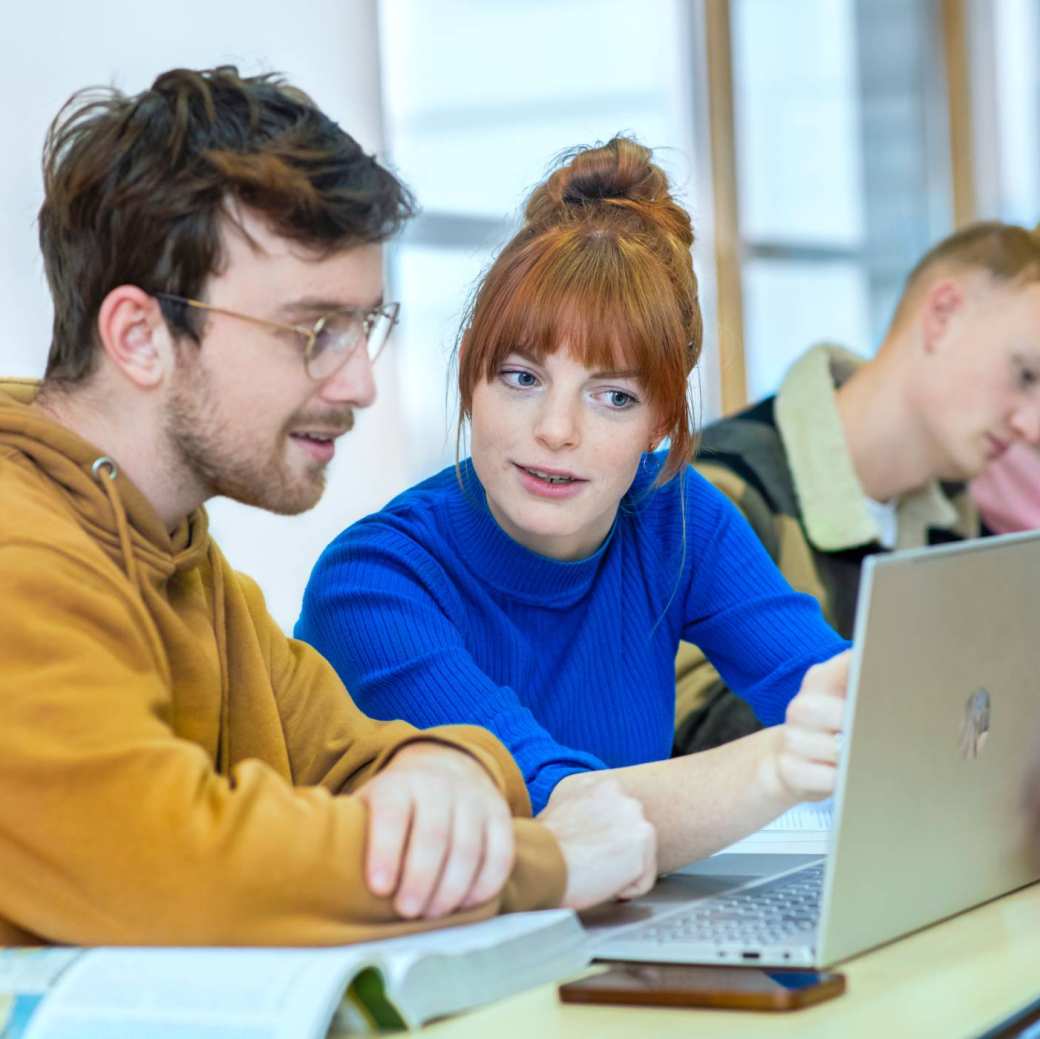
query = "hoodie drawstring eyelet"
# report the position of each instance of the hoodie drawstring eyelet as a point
(105, 471)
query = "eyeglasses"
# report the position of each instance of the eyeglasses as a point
(331, 341)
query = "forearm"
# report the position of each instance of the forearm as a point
(703, 802)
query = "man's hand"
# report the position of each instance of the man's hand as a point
(609, 847)
(440, 835)
(803, 759)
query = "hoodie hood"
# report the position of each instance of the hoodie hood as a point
(110, 508)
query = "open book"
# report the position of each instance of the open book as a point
(116, 993)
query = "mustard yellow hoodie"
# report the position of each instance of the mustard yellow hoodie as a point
(173, 767)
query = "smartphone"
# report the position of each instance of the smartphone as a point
(682, 985)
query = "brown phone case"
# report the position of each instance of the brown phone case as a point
(681, 985)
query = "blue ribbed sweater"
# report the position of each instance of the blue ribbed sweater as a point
(430, 612)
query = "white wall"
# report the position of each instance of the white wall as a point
(327, 47)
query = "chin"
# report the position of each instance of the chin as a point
(278, 497)
(961, 472)
(544, 526)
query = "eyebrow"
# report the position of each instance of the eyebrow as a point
(318, 305)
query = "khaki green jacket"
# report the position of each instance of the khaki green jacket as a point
(784, 464)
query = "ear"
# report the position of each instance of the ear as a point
(941, 304)
(134, 335)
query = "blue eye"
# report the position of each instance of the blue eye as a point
(518, 378)
(620, 400)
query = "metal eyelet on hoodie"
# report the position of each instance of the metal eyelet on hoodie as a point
(104, 464)
(100, 464)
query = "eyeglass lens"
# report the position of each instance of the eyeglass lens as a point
(341, 334)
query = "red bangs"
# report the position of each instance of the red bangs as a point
(611, 303)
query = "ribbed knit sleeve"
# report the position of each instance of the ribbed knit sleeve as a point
(430, 612)
(385, 615)
(760, 634)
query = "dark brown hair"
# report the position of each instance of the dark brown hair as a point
(136, 188)
(602, 263)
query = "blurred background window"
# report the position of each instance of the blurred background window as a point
(479, 98)
(839, 128)
(843, 171)
(1005, 74)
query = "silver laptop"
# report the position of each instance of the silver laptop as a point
(942, 720)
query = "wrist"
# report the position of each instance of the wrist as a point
(438, 754)
(770, 788)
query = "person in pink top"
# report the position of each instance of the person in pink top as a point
(1007, 492)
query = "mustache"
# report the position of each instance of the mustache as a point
(341, 420)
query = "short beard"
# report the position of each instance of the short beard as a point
(224, 461)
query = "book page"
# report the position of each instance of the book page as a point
(222, 993)
(196, 994)
(471, 937)
(812, 815)
(26, 975)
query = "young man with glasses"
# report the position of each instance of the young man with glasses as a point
(175, 770)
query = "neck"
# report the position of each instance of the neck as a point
(133, 440)
(886, 441)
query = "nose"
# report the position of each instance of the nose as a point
(353, 384)
(558, 424)
(1026, 422)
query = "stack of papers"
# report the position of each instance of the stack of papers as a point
(804, 830)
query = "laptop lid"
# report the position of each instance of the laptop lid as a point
(944, 704)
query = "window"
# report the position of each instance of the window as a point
(843, 175)
(479, 98)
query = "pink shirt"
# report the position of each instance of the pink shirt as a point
(1008, 491)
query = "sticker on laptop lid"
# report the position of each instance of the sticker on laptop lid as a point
(975, 726)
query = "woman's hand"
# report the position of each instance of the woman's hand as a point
(440, 836)
(608, 845)
(802, 763)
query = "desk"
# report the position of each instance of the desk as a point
(954, 979)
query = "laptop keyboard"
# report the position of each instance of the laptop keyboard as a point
(770, 913)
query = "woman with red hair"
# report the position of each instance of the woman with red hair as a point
(541, 587)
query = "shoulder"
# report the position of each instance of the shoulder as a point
(416, 516)
(744, 457)
(409, 536)
(39, 522)
(687, 508)
(748, 447)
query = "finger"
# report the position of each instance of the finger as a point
(811, 779)
(428, 842)
(497, 864)
(648, 867)
(389, 819)
(830, 678)
(812, 745)
(814, 710)
(461, 862)
(832, 674)
(649, 877)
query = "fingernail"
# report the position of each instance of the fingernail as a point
(409, 906)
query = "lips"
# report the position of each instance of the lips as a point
(996, 446)
(549, 475)
(319, 444)
(319, 435)
(549, 484)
